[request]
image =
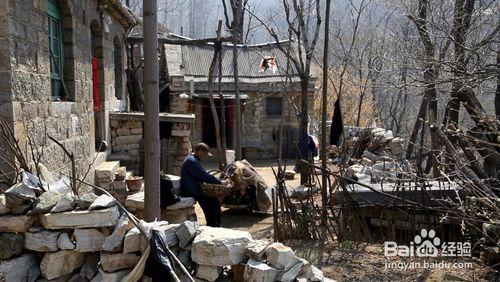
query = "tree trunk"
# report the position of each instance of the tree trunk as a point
(237, 115)
(151, 114)
(217, 49)
(497, 94)
(324, 100)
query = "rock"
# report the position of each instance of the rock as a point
(306, 270)
(256, 249)
(88, 240)
(104, 276)
(77, 278)
(60, 263)
(16, 223)
(120, 173)
(80, 219)
(46, 202)
(383, 166)
(116, 261)
(184, 257)
(103, 201)
(280, 256)
(186, 232)
(107, 170)
(209, 273)
(19, 195)
(169, 230)
(11, 244)
(90, 267)
(43, 241)
(114, 242)
(132, 241)
(256, 271)
(66, 203)
(86, 200)
(23, 268)
(317, 274)
(3, 205)
(219, 246)
(291, 273)
(64, 243)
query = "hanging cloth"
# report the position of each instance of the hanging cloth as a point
(95, 83)
(337, 125)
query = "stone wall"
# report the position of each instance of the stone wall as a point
(25, 86)
(127, 140)
(260, 132)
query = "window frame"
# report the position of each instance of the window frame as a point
(54, 18)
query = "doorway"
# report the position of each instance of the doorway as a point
(96, 44)
(208, 125)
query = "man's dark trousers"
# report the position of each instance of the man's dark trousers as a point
(211, 208)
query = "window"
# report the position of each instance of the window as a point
(56, 49)
(274, 107)
(118, 62)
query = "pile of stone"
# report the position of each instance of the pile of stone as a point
(377, 141)
(208, 251)
(59, 236)
(111, 176)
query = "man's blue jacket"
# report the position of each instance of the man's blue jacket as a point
(192, 174)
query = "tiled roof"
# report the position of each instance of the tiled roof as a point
(196, 62)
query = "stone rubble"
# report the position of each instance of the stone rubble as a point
(103, 245)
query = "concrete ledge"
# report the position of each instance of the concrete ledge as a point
(166, 117)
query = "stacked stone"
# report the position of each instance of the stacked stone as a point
(79, 244)
(127, 138)
(111, 176)
(383, 141)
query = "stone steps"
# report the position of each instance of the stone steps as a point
(111, 176)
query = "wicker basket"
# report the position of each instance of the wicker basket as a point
(215, 190)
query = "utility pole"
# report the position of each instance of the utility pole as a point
(237, 116)
(151, 113)
(324, 176)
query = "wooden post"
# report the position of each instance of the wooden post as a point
(237, 114)
(324, 176)
(151, 114)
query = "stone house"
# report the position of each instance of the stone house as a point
(62, 72)
(266, 93)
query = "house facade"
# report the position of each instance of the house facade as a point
(62, 70)
(269, 89)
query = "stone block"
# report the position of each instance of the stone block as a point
(256, 249)
(169, 231)
(127, 140)
(57, 264)
(79, 219)
(119, 185)
(123, 131)
(107, 170)
(104, 276)
(180, 133)
(115, 261)
(136, 131)
(280, 257)
(23, 268)
(120, 173)
(43, 241)
(16, 223)
(88, 240)
(103, 201)
(291, 273)
(186, 232)
(3, 205)
(209, 273)
(132, 241)
(11, 244)
(64, 243)
(256, 271)
(219, 246)
(114, 242)
(90, 267)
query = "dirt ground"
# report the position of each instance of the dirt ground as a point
(350, 261)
